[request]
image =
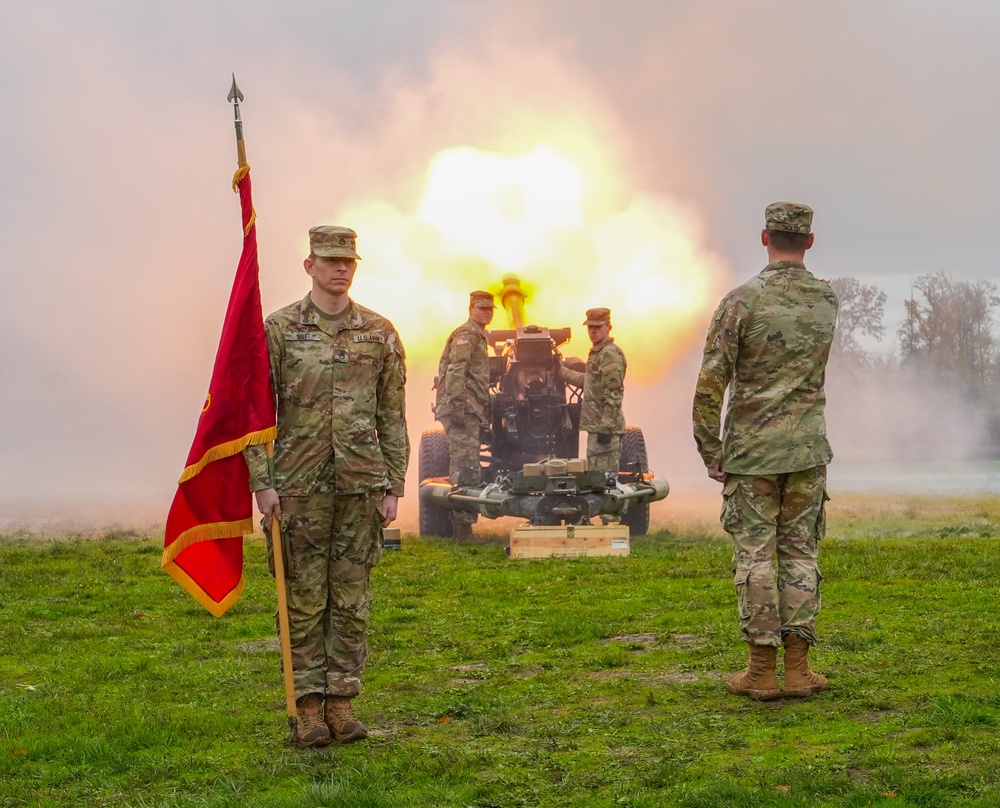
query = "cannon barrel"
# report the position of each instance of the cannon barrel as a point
(512, 299)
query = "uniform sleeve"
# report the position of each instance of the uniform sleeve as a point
(390, 415)
(613, 386)
(574, 377)
(256, 456)
(718, 361)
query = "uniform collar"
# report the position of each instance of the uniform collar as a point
(600, 346)
(309, 315)
(784, 265)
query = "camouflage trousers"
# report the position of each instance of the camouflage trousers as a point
(463, 459)
(776, 517)
(604, 457)
(332, 542)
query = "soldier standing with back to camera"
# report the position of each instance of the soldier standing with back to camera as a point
(603, 384)
(768, 343)
(463, 400)
(338, 371)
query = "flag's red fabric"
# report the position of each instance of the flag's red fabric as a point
(212, 510)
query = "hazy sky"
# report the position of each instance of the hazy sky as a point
(119, 232)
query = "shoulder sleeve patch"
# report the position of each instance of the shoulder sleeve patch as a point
(462, 341)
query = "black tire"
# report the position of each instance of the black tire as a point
(634, 452)
(434, 462)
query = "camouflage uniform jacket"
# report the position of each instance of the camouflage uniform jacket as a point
(339, 387)
(603, 384)
(463, 381)
(768, 343)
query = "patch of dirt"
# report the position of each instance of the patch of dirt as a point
(472, 666)
(259, 646)
(631, 639)
(873, 717)
(460, 682)
(686, 640)
(679, 678)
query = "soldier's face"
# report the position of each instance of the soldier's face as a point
(482, 316)
(332, 275)
(598, 333)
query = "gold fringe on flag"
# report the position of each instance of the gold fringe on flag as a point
(228, 449)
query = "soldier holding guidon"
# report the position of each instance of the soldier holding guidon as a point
(603, 384)
(338, 372)
(463, 400)
(768, 344)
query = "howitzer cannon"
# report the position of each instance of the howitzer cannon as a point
(529, 456)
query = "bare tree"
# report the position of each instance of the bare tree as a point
(950, 330)
(861, 310)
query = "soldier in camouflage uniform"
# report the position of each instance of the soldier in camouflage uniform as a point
(768, 343)
(463, 400)
(338, 371)
(603, 384)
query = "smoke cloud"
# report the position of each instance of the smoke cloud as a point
(120, 232)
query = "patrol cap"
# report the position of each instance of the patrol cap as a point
(331, 241)
(481, 300)
(790, 217)
(598, 317)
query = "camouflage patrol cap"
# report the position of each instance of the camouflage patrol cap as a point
(598, 317)
(331, 241)
(790, 217)
(481, 300)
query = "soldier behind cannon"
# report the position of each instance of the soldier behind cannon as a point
(463, 400)
(603, 384)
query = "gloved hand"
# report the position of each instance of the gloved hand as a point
(603, 438)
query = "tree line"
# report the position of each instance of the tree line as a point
(947, 340)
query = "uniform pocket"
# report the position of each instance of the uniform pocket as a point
(731, 516)
(378, 540)
(741, 580)
(821, 517)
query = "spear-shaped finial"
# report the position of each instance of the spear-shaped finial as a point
(236, 96)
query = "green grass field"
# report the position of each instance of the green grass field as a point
(587, 682)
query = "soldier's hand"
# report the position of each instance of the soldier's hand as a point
(387, 508)
(268, 503)
(716, 473)
(603, 438)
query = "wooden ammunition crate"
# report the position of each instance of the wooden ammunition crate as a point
(569, 541)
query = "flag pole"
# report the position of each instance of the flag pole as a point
(278, 546)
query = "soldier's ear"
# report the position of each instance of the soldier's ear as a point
(763, 237)
(308, 265)
(810, 240)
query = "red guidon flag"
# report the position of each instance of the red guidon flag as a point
(212, 510)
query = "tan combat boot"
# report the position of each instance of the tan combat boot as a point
(799, 679)
(760, 680)
(341, 721)
(310, 729)
(461, 532)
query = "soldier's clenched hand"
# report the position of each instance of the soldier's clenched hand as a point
(268, 503)
(390, 503)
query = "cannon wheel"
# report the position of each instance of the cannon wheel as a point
(434, 462)
(634, 451)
